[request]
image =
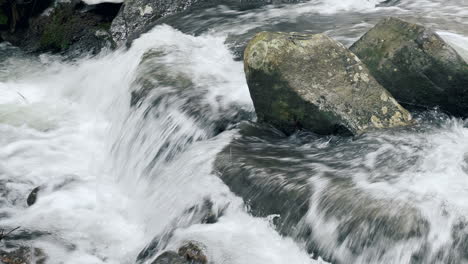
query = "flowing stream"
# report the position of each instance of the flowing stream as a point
(126, 171)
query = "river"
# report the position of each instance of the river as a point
(116, 178)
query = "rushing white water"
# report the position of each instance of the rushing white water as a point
(116, 177)
(70, 127)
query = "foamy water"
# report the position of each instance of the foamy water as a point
(114, 178)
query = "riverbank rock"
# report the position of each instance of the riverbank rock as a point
(416, 65)
(69, 27)
(313, 82)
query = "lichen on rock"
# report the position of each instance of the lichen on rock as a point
(313, 82)
(416, 65)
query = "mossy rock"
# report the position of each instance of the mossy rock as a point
(68, 28)
(416, 65)
(3, 18)
(303, 81)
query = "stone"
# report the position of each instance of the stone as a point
(251, 4)
(23, 255)
(189, 253)
(32, 197)
(309, 190)
(303, 81)
(416, 65)
(138, 16)
(193, 253)
(69, 27)
(169, 257)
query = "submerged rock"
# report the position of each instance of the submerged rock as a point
(32, 197)
(250, 4)
(309, 190)
(169, 257)
(416, 65)
(23, 255)
(190, 253)
(313, 82)
(193, 253)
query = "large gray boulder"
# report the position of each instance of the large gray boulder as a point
(313, 82)
(416, 65)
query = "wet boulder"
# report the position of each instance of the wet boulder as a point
(251, 4)
(189, 253)
(23, 255)
(193, 253)
(138, 16)
(416, 65)
(69, 27)
(32, 197)
(169, 257)
(305, 185)
(313, 82)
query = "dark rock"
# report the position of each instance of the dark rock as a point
(69, 27)
(32, 197)
(169, 257)
(416, 65)
(23, 255)
(15, 14)
(153, 73)
(190, 253)
(250, 4)
(322, 209)
(193, 253)
(200, 214)
(313, 82)
(139, 16)
(269, 186)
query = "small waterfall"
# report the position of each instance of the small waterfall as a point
(138, 150)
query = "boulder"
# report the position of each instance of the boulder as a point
(23, 255)
(169, 257)
(310, 192)
(250, 4)
(416, 65)
(69, 27)
(313, 82)
(193, 253)
(189, 253)
(138, 16)
(15, 14)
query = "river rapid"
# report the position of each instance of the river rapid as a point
(118, 178)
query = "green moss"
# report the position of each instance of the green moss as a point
(105, 26)
(3, 18)
(57, 34)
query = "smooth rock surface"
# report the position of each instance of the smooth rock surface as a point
(313, 82)
(416, 65)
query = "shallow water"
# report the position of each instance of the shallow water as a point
(116, 179)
